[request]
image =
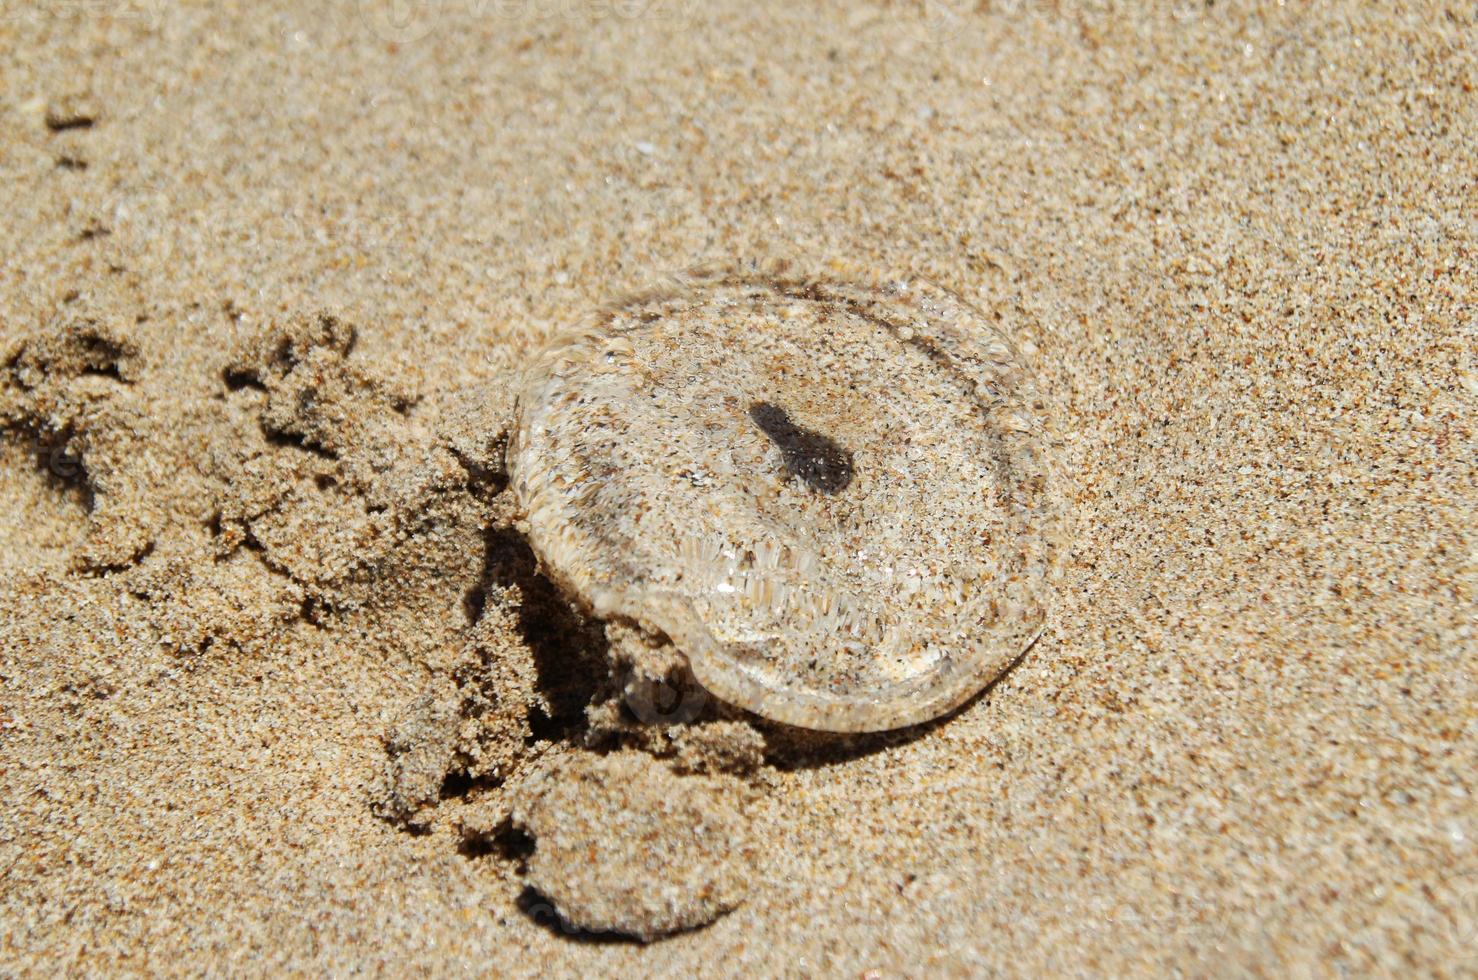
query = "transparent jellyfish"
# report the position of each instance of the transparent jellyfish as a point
(834, 499)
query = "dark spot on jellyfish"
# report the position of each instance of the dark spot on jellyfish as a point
(810, 457)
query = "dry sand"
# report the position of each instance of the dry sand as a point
(246, 579)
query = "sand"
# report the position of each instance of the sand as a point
(280, 681)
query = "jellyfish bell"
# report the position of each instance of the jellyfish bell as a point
(834, 498)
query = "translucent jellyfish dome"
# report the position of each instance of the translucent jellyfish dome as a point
(834, 499)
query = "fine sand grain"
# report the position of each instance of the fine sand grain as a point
(282, 686)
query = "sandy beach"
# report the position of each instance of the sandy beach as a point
(285, 689)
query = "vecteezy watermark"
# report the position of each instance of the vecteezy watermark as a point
(663, 702)
(400, 21)
(143, 13)
(61, 462)
(930, 21)
(1464, 912)
(408, 21)
(543, 913)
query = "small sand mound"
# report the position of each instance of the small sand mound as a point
(70, 386)
(624, 845)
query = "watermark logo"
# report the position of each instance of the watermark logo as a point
(400, 21)
(930, 21)
(1464, 912)
(143, 13)
(543, 913)
(62, 463)
(663, 702)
